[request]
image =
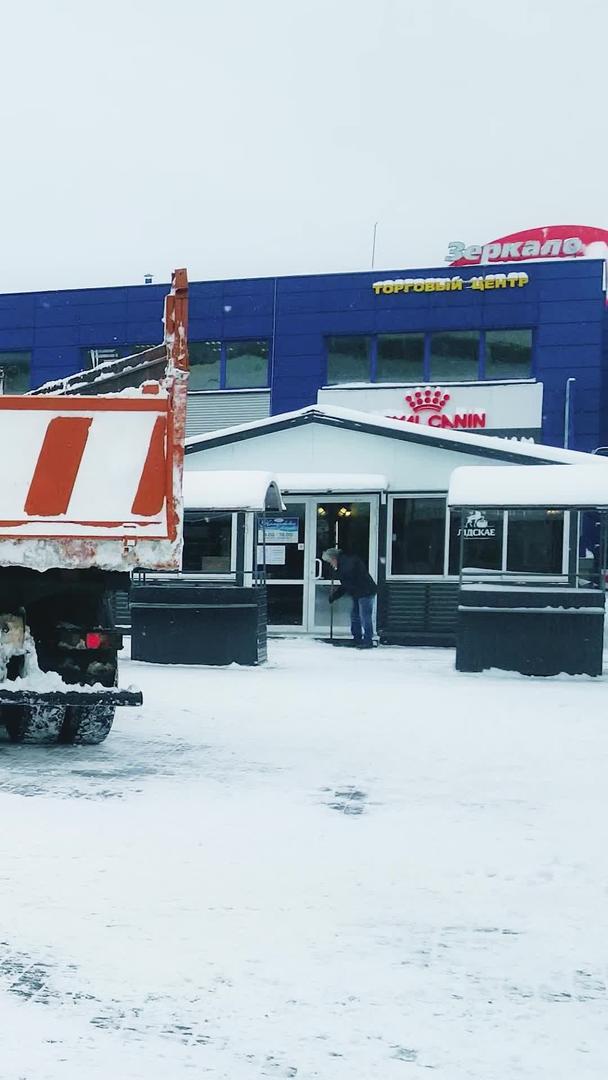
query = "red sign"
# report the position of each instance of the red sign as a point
(427, 406)
(546, 242)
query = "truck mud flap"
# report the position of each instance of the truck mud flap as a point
(70, 697)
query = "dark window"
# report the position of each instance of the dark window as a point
(418, 540)
(455, 356)
(400, 358)
(246, 364)
(535, 541)
(348, 359)
(15, 369)
(207, 543)
(205, 365)
(508, 354)
(92, 358)
(482, 540)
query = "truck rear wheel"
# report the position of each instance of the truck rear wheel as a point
(87, 725)
(33, 724)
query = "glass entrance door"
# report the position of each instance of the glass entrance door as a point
(285, 551)
(351, 525)
(298, 581)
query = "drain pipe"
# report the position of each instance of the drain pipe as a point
(568, 410)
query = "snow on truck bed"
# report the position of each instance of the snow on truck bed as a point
(89, 482)
(340, 866)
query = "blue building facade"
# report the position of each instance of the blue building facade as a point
(270, 344)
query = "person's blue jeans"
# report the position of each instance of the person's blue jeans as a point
(362, 619)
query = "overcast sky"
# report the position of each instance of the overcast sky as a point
(260, 137)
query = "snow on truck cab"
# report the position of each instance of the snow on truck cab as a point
(91, 490)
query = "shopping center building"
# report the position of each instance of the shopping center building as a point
(363, 391)
(515, 349)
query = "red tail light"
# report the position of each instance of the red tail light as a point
(93, 641)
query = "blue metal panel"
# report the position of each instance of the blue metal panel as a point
(56, 335)
(205, 329)
(103, 336)
(53, 363)
(51, 314)
(85, 314)
(297, 345)
(253, 326)
(203, 308)
(260, 287)
(17, 339)
(584, 288)
(516, 314)
(572, 311)
(143, 310)
(146, 332)
(584, 333)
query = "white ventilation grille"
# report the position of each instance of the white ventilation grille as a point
(209, 411)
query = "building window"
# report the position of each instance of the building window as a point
(348, 359)
(481, 540)
(15, 372)
(455, 356)
(508, 354)
(535, 541)
(246, 364)
(418, 536)
(400, 358)
(92, 358)
(207, 543)
(205, 365)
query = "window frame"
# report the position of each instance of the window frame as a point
(372, 356)
(28, 354)
(375, 348)
(480, 331)
(497, 330)
(446, 575)
(390, 576)
(224, 343)
(228, 575)
(373, 337)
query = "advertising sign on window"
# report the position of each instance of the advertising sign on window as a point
(274, 530)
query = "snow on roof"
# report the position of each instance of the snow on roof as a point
(231, 490)
(534, 451)
(330, 482)
(530, 485)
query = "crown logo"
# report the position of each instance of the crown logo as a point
(427, 399)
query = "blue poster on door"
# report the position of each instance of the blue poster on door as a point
(278, 530)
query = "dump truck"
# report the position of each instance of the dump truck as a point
(91, 490)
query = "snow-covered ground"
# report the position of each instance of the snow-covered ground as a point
(341, 865)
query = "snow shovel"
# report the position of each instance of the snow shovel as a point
(331, 640)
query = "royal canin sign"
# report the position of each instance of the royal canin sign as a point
(546, 242)
(427, 406)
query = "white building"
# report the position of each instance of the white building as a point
(377, 488)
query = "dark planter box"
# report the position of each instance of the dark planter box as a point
(174, 623)
(535, 631)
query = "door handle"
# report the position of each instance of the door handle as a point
(318, 570)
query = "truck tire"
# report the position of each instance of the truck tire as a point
(87, 725)
(34, 724)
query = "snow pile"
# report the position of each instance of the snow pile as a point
(531, 485)
(341, 866)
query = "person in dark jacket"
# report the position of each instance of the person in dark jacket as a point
(356, 582)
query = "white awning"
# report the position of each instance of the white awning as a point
(231, 490)
(332, 483)
(554, 486)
